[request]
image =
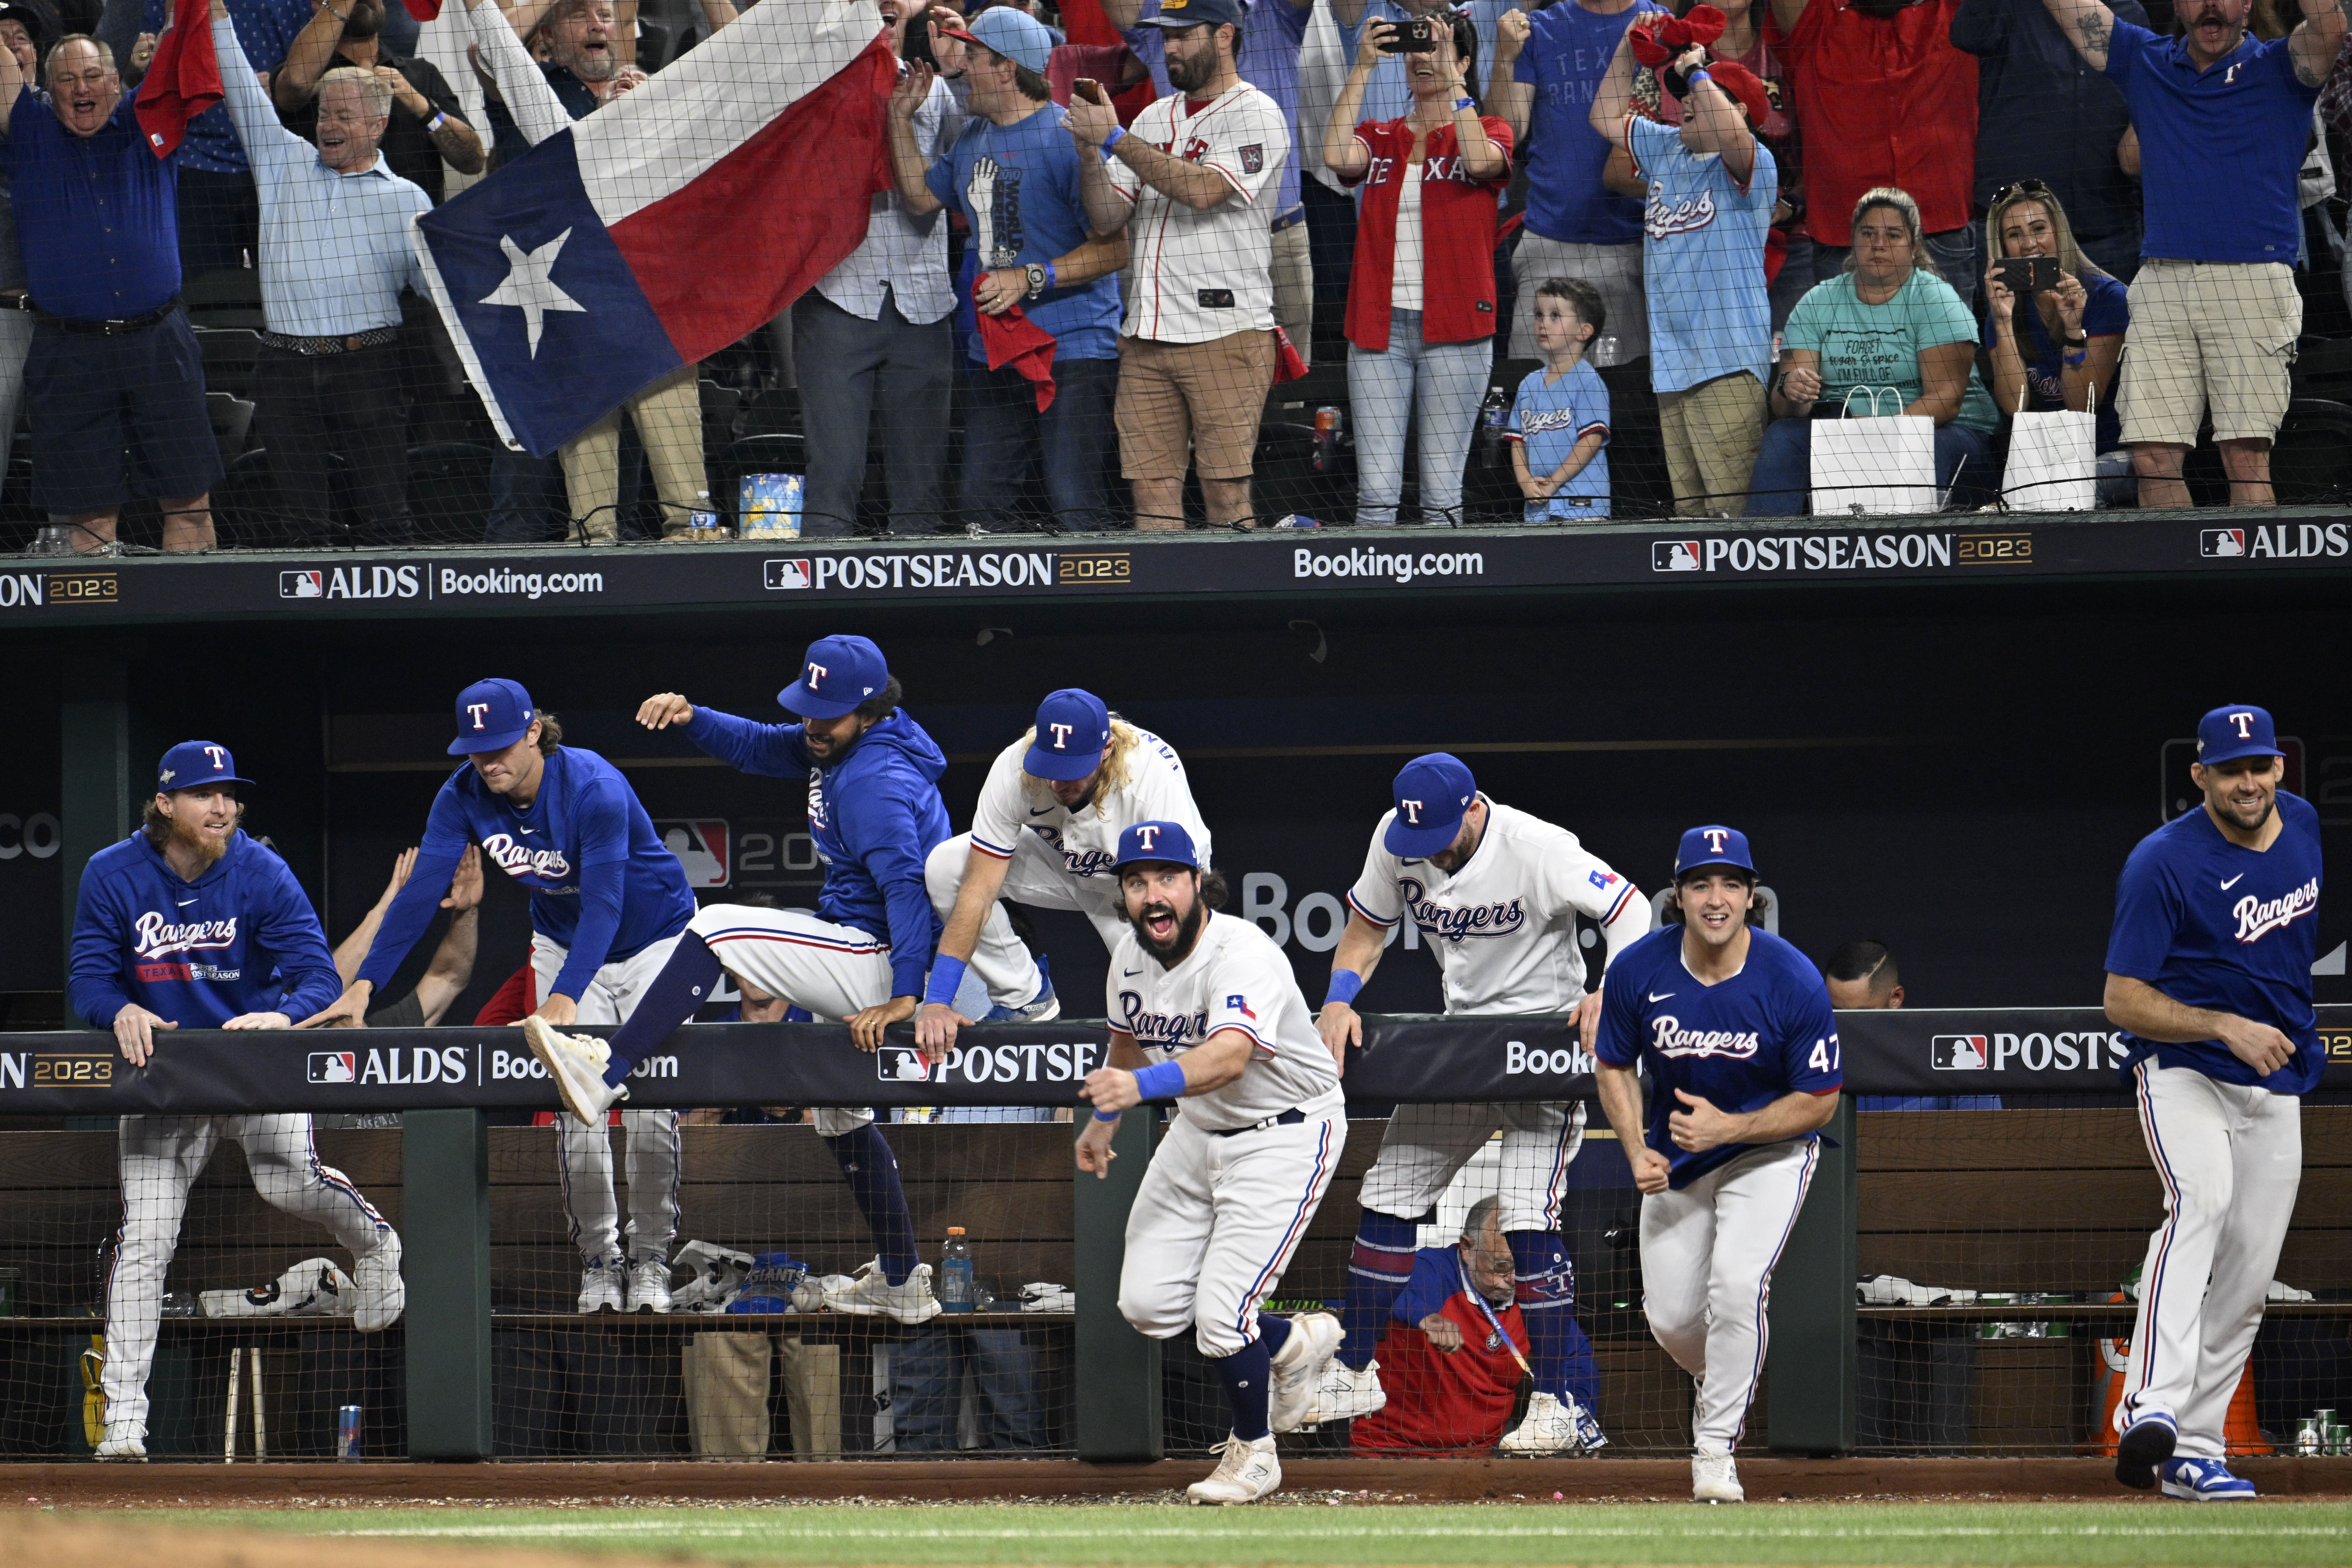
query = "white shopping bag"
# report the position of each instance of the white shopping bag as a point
(1877, 464)
(2054, 460)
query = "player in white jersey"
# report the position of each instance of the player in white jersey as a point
(1045, 832)
(1203, 1006)
(1494, 893)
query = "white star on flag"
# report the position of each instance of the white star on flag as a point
(529, 286)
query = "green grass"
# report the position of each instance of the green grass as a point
(1310, 1529)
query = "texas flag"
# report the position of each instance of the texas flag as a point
(668, 224)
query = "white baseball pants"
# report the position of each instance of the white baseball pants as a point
(1707, 1255)
(160, 1157)
(1215, 1224)
(1426, 1146)
(1036, 875)
(651, 1136)
(831, 971)
(2230, 1158)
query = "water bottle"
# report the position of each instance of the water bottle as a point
(1494, 418)
(953, 1286)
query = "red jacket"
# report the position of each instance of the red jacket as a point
(1442, 1403)
(1457, 237)
(1883, 102)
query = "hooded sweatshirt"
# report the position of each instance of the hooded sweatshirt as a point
(876, 814)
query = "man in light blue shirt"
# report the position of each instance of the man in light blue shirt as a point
(335, 254)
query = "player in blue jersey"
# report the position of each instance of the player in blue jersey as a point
(607, 901)
(188, 923)
(2208, 976)
(875, 811)
(1734, 1027)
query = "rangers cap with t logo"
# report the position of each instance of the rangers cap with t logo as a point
(2228, 733)
(491, 716)
(1073, 727)
(838, 674)
(192, 764)
(1432, 794)
(1157, 841)
(1714, 844)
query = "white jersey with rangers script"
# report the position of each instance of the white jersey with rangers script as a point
(1087, 838)
(1503, 925)
(1234, 978)
(1202, 275)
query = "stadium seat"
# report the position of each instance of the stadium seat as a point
(231, 418)
(776, 412)
(223, 297)
(448, 490)
(653, 46)
(722, 415)
(229, 354)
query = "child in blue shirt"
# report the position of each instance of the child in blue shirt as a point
(1559, 421)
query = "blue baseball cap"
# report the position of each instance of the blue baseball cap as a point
(1714, 844)
(1015, 34)
(1073, 727)
(191, 764)
(491, 716)
(1432, 794)
(1176, 15)
(1157, 841)
(838, 674)
(2228, 733)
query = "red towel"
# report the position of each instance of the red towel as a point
(182, 80)
(1013, 339)
(1288, 366)
(422, 10)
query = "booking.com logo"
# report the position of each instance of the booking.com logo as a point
(1401, 566)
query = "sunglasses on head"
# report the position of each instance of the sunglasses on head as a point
(2021, 188)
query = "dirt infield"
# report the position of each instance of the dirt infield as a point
(42, 1540)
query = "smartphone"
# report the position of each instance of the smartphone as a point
(1417, 36)
(2027, 274)
(1085, 87)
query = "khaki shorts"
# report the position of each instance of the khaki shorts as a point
(2209, 335)
(1191, 403)
(1294, 289)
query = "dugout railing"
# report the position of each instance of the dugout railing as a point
(1993, 1244)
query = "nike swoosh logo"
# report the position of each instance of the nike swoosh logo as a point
(1124, 973)
(2233, 881)
(185, 902)
(1659, 995)
(1040, 810)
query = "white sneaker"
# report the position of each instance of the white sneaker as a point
(1299, 1369)
(649, 1286)
(600, 1284)
(1715, 1478)
(1346, 1394)
(1245, 1472)
(1549, 1427)
(576, 1063)
(123, 1444)
(872, 1296)
(382, 1294)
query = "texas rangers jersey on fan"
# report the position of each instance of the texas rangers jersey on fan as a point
(1740, 1045)
(1503, 926)
(2214, 925)
(1205, 275)
(602, 884)
(1088, 839)
(242, 938)
(1234, 978)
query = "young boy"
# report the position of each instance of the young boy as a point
(1559, 422)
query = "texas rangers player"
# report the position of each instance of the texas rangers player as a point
(1494, 893)
(1733, 1024)
(188, 922)
(607, 902)
(1203, 1006)
(875, 809)
(1045, 833)
(2209, 975)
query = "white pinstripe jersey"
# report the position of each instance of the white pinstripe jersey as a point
(1088, 839)
(1186, 258)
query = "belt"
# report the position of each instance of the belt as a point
(374, 338)
(1295, 215)
(1290, 1118)
(123, 327)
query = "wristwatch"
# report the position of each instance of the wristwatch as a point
(1036, 274)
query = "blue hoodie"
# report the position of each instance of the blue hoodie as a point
(875, 814)
(242, 938)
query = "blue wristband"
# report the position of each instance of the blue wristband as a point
(1111, 140)
(1697, 77)
(1053, 279)
(1344, 985)
(1161, 1080)
(947, 979)
(1105, 1116)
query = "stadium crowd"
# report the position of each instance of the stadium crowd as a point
(1109, 227)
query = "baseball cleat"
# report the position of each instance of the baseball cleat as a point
(1042, 1009)
(600, 1284)
(1714, 1476)
(382, 1294)
(123, 1444)
(649, 1286)
(1550, 1427)
(872, 1295)
(2203, 1480)
(1247, 1470)
(576, 1063)
(1299, 1369)
(2146, 1444)
(1347, 1393)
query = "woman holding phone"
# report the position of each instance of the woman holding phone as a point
(2057, 346)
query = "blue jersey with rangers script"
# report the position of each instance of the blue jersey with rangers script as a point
(1548, 416)
(1701, 225)
(1739, 1045)
(602, 884)
(241, 938)
(2211, 924)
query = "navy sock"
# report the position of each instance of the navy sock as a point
(1246, 1374)
(1544, 1282)
(1377, 1270)
(1273, 1332)
(684, 984)
(872, 1171)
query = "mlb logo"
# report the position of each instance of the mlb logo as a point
(787, 574)
(335, 1067)
(2215, 542)
(1957, 1053)
(308, 584)
(901, 1064)
(700, 845)
(1673, 555)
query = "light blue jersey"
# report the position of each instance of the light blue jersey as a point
(1548, 417)
(1703, 260)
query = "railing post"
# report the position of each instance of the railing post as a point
(445, 1165)
(1118, 1369)
(94, 796)
(1815, 1361)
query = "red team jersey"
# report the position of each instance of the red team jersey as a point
(1439, 1402)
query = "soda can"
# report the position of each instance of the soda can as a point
(2310, 1436)
(2339, 1441)
(1328, 422)
(347, 1432)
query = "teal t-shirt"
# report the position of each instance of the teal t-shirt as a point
(1878, 345)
